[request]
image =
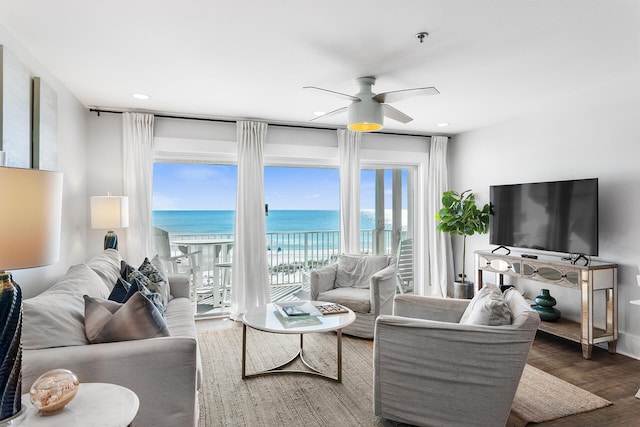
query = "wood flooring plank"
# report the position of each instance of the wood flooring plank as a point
(611, 376)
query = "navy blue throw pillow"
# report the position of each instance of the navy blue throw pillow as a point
(120, 291)
(136, 286)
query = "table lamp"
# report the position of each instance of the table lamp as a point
(30, 220)
(109, 212)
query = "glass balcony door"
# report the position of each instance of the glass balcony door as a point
(195, 205)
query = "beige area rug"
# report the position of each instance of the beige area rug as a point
(543, 397)
(305, 400)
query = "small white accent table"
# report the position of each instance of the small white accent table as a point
(95, 405)
(265, 318)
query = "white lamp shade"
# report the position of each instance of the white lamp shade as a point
(365, 116)
(30, 218)
(109, 212)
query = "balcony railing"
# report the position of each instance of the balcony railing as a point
(290, 257)
(289, 254)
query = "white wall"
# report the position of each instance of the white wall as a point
(104, 171)
(593, 135)
(71, 141)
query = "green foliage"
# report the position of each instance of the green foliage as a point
(460, 215)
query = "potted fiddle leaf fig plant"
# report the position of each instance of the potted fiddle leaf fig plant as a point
(460, 215)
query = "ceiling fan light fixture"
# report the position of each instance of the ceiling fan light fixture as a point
(365, 116)
(365, 127)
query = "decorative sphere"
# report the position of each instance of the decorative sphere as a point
(51, 392)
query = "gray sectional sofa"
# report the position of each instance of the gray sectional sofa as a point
(165, 372)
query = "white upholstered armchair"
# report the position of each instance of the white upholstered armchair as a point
(430, 370)
(364, 283)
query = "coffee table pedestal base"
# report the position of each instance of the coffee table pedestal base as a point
(281, 369)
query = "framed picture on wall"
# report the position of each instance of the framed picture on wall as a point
(44, 131)
(15, 110)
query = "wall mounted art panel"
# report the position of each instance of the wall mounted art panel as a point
(45, 126)
(15, 110)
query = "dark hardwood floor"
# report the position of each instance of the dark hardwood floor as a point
(611, 376)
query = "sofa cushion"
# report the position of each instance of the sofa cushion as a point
(130, 273)
(520, 309)
(162, 268)
(107, 266)
(109, 321)
(179, 317)
(357, 299)
(124, 290)
(158, 280)
(120, 290)
(488, 308)
(55, 318)
(356, 270)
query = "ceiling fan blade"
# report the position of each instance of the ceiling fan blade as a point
(342, 95)
(399, 95)
(330, 113)
(395, 114)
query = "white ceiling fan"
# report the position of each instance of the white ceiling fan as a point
(367, 109)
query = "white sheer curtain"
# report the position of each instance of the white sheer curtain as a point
(440, 254)
(250, 279)
(137, 141)
(349, 148)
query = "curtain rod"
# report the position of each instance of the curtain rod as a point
(210, 119)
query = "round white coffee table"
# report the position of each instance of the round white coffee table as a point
(96, 404)
(267, 318)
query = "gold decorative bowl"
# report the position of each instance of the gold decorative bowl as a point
(53, 390)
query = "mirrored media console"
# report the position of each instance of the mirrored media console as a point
(597, 277)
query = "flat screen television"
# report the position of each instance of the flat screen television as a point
(558, 216)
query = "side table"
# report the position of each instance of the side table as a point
(96, 404)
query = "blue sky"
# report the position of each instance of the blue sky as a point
(213, 187)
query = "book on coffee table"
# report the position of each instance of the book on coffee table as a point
(297, 321)
(297, 309)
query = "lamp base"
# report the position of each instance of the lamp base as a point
(14, 420)
(111, 240)
(10, 348)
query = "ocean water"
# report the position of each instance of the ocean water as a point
(222, 222)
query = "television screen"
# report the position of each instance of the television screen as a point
(559, 216)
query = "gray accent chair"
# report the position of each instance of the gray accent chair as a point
(429, 370)
(364, 283)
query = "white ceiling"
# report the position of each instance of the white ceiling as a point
(491, 60)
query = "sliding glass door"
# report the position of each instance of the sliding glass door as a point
(194, 208)
(387, 216)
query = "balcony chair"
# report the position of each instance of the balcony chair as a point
(223, 270)
(405, 265)
(185, 262)
(364, 283)
(429, 369)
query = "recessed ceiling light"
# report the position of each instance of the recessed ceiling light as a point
(442, 125)
(140, 96)
(318, 113)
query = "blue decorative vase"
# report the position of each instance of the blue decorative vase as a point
(10, 348)
(544, 307)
